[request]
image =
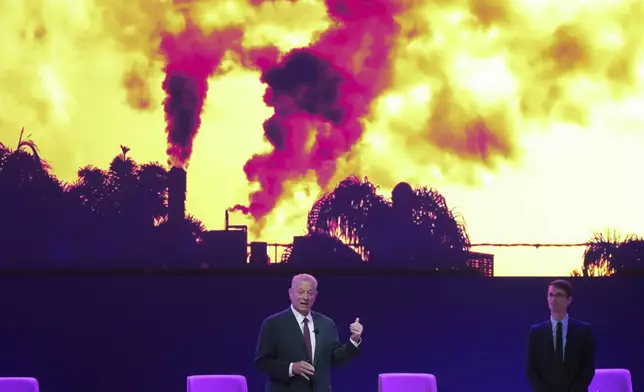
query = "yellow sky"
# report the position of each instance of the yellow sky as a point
(573, 182)
(566, 180)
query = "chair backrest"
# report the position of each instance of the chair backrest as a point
(18, 384)
(216, 383)
(408, 382)
(611, 380)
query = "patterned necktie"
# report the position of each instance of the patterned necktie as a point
(559, 352)
(307, 338)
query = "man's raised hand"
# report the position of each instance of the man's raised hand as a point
(356, 330)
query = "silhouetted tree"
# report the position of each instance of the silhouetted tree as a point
(133, 194)
(610, 255)
(593, 270)
(30, 201)
(415, 226)
(345, 212)
(191, 228)
(105, 216)
(176, 243)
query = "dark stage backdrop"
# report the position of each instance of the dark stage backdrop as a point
(143, 334)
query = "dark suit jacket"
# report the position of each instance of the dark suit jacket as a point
(281, 343)
(578, 370)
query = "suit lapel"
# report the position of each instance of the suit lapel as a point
(571, 340)
(294, 330)
(318, 337)
(549, 338)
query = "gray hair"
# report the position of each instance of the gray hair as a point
(304, 278)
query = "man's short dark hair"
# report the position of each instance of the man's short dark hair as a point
(562, 284)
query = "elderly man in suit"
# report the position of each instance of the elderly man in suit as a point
(561, 350)
(297, 347)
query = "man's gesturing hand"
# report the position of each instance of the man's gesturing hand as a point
(356, 330)
(303, 369)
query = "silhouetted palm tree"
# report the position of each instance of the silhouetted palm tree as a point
(118, 209)
(191, 227)
(140, 191)
(23, 145)
(630, 256)
(594, 270)
(345, 212)
(127, 192)
(105, 216)
(177, 243)
(94, 190)
(30, 201)
(610, 255)
(23, 164)
(416, 225)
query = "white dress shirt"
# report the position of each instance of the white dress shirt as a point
(564, 332)
(300, 321)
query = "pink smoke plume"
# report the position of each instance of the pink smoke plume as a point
(324, 89)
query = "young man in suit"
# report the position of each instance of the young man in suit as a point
(561, 350)
(297, 347)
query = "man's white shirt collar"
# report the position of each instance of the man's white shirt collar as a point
(300, 318)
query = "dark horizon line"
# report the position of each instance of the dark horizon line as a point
(247, 270)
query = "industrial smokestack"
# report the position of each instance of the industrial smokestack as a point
(177, 184)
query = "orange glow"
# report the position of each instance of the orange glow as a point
(527, 115)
